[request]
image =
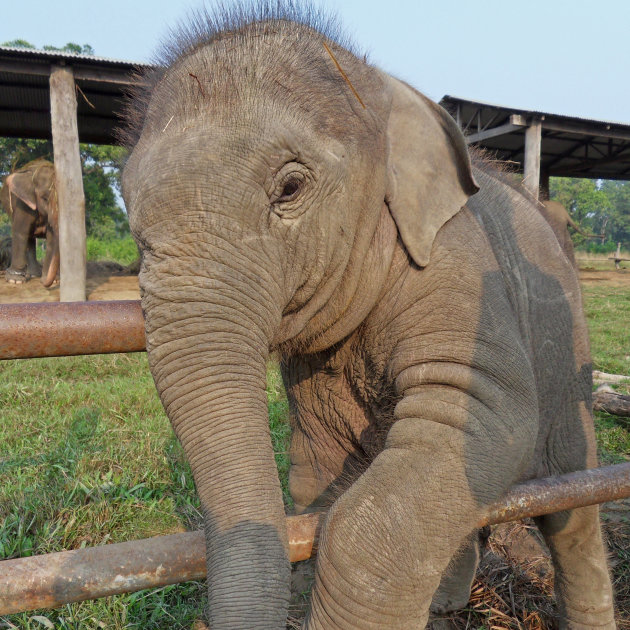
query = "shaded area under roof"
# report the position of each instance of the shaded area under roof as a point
(571, 147)
(25, 93)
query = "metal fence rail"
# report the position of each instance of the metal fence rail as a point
(57, 329)
(51, 580)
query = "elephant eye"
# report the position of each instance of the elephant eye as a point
(290, 189)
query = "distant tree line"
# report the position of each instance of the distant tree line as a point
(105, 219)
(598, 206)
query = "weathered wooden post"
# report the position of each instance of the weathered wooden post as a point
(65, 133)
(533, 142)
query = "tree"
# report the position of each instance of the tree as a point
(618, 224)
(585, 200)
(70, 47)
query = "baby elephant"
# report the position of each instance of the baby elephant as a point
(288, 196)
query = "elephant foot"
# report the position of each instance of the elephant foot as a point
(13, 276)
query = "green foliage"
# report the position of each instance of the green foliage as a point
(16, 152)
(18, 43)
(599, 207)
(70, 47)
(122, 250)
(101, 164)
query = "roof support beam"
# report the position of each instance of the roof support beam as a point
(70, 195)
(492, 133)
(533, 143)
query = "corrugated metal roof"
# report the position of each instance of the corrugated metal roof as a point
(36, 53)
(25, 92)
(533, 112)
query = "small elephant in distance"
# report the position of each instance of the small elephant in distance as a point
(287, 196)
(29, 197)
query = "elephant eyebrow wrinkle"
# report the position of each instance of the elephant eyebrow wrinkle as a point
(343, 74)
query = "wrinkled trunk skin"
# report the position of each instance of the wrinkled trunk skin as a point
(207, 344)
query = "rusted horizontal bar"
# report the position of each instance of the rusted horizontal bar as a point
(564, 492)
(69, 328)
(52, 580)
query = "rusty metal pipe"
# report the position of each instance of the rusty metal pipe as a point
(51, 580)
(70, 328)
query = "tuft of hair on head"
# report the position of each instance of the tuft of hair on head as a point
(208, 24)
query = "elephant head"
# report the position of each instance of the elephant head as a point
(29, 196)
(272, 177)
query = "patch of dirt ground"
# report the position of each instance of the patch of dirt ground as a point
(105, 281)
(609, 277)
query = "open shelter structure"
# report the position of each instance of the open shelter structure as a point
(542, 145)
(78, 98)
(68, 98)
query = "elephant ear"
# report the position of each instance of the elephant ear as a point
(429, 174)
(21, 185)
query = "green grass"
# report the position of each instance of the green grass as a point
(87, 457)
(120, 250)
(608, 313)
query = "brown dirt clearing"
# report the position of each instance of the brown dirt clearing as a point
(105, 281)
(609, 278)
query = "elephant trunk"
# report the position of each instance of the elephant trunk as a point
(207, 348)
(53, 226)
(53, 267)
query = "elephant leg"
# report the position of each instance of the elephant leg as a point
(454, 590)
(34, 269)
(315, 470)
(21, 230)
(326, 428)
(582, 584)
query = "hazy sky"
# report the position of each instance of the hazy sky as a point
(561, 56)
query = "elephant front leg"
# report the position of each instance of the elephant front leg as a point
(33, 268)
(387, 542)
(21, 231)
(317, 470)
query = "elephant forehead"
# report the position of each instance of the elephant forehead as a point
(266, 75)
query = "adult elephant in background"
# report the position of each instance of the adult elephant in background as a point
(29, 197)
(560, 220)
(287, 196)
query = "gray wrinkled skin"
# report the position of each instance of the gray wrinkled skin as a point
(29, 197)
(432, 339)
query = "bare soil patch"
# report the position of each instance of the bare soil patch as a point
(105, 281)
(590, 276)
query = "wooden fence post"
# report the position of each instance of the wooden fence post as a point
(72, 246)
